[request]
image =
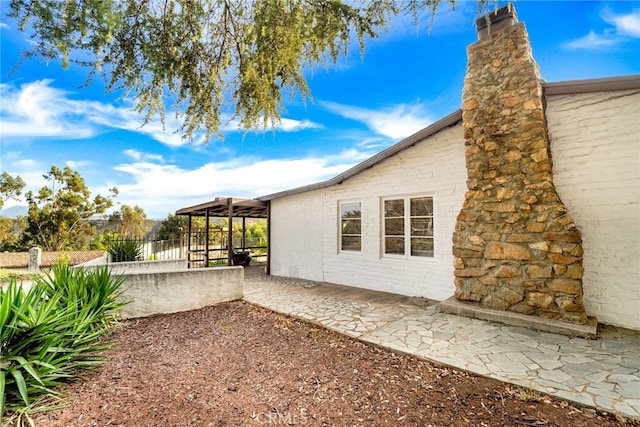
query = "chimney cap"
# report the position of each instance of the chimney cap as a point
(498, 19)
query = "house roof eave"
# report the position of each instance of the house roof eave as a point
(448, 121)
(606, 84)
(629, 82)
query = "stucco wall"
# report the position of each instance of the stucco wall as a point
(173, 291)
(143, 266)
(305, 226)
(595, 144)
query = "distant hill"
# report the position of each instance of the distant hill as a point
(14, 211)
(152, 226)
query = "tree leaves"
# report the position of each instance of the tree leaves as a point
(213, 62)
(58, 214)
(10, 187)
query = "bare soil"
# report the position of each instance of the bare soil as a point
(236, 364)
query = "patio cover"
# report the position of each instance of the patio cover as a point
(221, 207)
(227, 207)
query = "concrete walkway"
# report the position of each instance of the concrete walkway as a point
(602, 373)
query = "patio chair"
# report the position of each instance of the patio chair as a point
(240, 258)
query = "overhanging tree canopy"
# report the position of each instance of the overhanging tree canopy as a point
(208, 59)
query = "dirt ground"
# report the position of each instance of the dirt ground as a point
(236, 364)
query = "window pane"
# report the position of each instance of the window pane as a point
(351, 243)
(394, 245)
(421, 227)
(422, 206)
(351, 226)
(393, 208)
(350, 210)
(394, 227)
(422, 247)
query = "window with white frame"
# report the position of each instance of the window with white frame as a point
(408, 226)
(350, 226)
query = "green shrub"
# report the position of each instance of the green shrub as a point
(124, 250)
(50, 333)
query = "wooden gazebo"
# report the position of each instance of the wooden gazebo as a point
(223, 207)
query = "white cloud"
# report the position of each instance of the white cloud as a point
(591, 41)
(75, 165)
(163, 189)
(25, 164)
(133, 154)
(395, 122)
(290, 125)
(137, 156)
(37, 109)
(624, 26)
(285, 125)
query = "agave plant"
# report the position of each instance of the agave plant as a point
(50, 333)
(124, 250)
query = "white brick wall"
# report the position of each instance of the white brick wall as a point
(595, 144)
(434, 167)
(296, 236)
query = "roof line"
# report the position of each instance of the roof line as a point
(592, 85)
(557, 88)
(448, 121)
(250, 208)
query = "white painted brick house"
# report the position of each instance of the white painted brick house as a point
(526, 200)
(594, 129)
(595, 143)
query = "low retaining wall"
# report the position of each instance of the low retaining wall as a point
(158, 287)
(147, 266)
(180, 290)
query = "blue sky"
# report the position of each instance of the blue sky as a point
(407, 79)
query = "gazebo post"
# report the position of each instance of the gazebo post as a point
(189, 243)
(206, 238)
(230, 232)
(244, 231)
(269, 238)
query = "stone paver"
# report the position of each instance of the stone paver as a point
(602, 373)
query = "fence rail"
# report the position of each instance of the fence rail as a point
(196, 248)
(152, 249)
(211, 250)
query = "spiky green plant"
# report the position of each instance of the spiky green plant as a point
(96, 289)
(124, 250)
(50, 333)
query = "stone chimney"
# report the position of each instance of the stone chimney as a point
(515, 246)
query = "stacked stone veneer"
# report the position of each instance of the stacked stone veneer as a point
(515, 246)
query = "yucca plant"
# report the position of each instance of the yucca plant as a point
(50, 333)
(124, 250)
(95, 289)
